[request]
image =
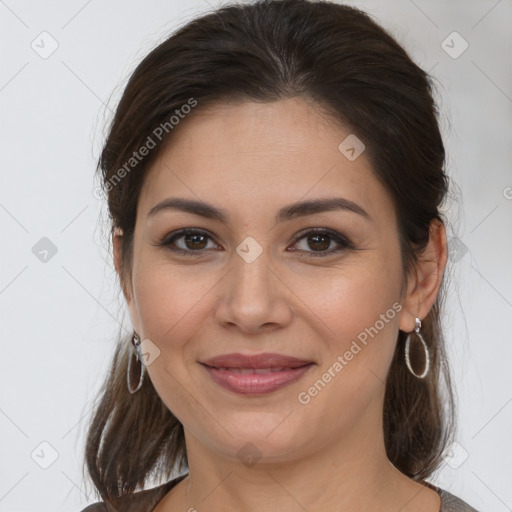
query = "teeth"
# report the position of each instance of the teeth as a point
(255, 370)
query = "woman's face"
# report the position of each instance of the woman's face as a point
(258, 282)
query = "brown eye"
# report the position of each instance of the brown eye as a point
(195, 241)
(316, 243)
(319, 241)
(188, 241)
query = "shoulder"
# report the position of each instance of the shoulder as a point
(142, 501)
(145, 501)
(96, 507)
(451, 503)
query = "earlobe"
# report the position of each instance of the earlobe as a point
(425, 281)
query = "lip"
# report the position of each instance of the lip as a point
(275, 371)
(263, 360)
(255, 383)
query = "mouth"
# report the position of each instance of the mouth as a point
(256, 381)
(257, 370)
(264, 361)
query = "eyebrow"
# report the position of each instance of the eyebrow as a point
(287, 213)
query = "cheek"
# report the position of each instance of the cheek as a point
(168, 300)
(362, 310)
(171, 305)
(361, 305)
(356, 304)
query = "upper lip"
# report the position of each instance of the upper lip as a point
(264, 360)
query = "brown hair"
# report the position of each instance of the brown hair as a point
(351, 68)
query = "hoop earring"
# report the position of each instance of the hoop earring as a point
(137, 353)
(407, 349)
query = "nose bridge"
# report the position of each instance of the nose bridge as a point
(252, 295)
(249, 282)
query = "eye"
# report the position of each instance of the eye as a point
(194, 242)
(190, 241)
(320, 239)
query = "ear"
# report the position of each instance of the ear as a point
(117, 244)
(426, 278)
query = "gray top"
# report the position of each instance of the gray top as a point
(147, 500)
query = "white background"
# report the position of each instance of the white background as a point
(60, 319)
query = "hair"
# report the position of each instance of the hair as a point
(356, 73)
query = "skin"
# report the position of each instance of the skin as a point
(251, 159)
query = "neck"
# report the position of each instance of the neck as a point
(353, 474)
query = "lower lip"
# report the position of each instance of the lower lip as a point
(255, 383)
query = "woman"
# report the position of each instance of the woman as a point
(274, 175)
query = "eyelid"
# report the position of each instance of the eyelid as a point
(168, 239)
(343, 242)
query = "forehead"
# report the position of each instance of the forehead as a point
(254, 155)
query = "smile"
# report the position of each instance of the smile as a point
(255, 381)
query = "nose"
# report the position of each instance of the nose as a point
(254, 297)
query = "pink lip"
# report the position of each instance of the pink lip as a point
(255, 383)
(223, 370)
(264, 360)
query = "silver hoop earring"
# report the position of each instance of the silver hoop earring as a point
(425, 348)
(137, 353)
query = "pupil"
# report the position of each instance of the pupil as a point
(195, 239)
(325, 245)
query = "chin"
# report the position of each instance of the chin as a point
(265, 443)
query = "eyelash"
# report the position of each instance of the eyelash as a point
(342, 241)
